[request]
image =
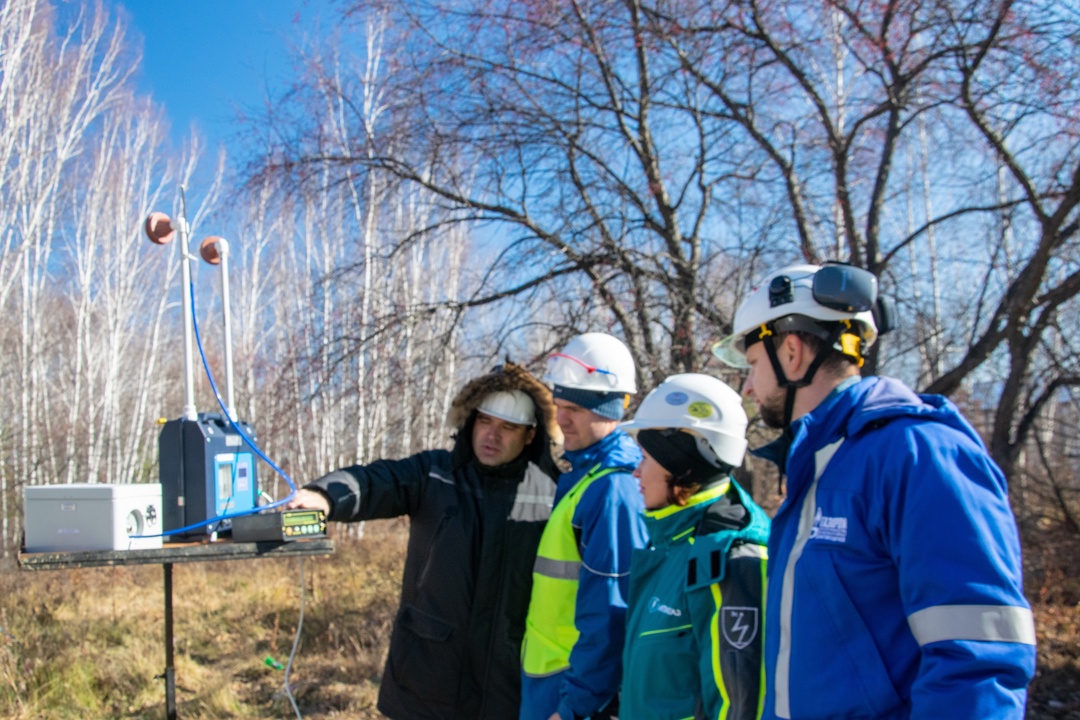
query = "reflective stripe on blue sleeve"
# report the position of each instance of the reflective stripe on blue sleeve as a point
(989, 623)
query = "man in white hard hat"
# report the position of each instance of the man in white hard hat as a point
(571, 655)
(895, 584)
(476, 516)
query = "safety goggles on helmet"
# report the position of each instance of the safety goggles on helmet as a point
(836, 286)
(578, 372)
(845, 288)
(593, 361)
(800, 298)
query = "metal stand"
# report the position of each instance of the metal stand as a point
(166, 556)
(170, 668)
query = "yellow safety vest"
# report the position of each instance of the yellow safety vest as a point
(550, 632)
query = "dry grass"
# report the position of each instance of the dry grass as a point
(89, 643)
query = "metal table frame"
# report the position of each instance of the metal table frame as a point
(167, 556)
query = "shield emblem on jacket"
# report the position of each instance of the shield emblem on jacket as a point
(740, 625)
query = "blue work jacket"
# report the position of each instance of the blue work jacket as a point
(608, 525)
(894, 567)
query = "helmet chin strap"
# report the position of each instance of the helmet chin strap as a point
(768, 338)
(792, 386)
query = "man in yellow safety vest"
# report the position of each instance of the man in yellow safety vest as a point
(574, 632)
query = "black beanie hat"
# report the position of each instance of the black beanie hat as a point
(677, 452)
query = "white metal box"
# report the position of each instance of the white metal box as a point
(87, 516)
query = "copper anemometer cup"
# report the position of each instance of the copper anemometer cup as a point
(159, 229)
(209, 250)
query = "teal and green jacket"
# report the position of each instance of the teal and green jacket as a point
(694, 630)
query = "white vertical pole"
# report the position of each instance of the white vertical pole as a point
(189, 371)
(230, 398)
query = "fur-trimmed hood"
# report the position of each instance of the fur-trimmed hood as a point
(508, 376)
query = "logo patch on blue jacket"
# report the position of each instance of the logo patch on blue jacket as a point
(833, 529)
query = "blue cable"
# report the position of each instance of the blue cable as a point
(225, 412)
(250, 443)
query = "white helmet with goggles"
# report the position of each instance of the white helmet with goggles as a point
(593, 361)
(700, 405)
(802, 298)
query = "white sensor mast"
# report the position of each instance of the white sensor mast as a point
(161, 230)
(215, 250)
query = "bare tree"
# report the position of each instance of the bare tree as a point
(83, 344)
(55, 89)
(371, 333)
(109, 416)
(640, 162)
(562, 131)
(995, 79)
(1020, 88)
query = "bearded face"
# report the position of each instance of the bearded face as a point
(762, 387)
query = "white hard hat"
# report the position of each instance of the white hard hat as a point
(702, 406)
(842, 292)
(593, 361)
(510, 405)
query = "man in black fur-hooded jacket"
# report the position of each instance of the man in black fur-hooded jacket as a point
(476, 515)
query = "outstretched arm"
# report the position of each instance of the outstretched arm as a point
(308, 499)
(382, 489)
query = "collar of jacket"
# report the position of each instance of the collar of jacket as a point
(676, 523)
(850, 409)
(778, 451)
(826, 423)
(872, 401)
(614, 450)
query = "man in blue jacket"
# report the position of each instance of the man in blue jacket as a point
(576, 625)
(894, 562)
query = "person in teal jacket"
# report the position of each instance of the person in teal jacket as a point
(693, 638)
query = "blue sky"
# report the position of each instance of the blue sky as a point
(204, 59)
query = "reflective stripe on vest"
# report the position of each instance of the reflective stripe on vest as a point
(550, 632)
